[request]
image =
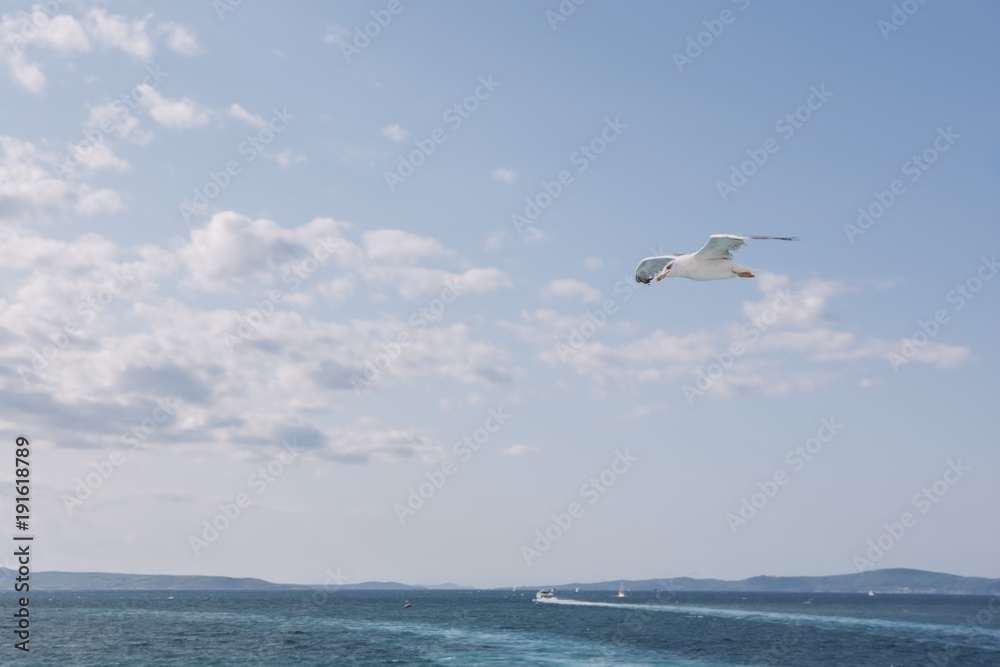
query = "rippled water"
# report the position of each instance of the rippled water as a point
(502, 627)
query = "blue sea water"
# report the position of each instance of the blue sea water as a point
(341, 627)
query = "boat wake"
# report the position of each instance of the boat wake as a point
(978, 636)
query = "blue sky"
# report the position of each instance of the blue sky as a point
(217, 263)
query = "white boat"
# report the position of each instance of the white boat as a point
(621, 590)
(545, 594)
(871, 593)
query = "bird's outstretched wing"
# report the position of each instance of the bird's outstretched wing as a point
(722, 246)
(650, 267)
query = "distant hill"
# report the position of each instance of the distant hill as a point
(880, 581)
(897, 580)
(135, 582)
(109, 581)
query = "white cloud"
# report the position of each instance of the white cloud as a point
(30, 192)
(394, 132)
(593, 264)
(504, 175)
(567, 288)
(519, 450)
(179, 38)
(397, 246)
(414, 282)
(335, 34)
(288, 158)
(232, 249)
(123, 123)
(338, 290)
(180, 114)
(116, 31)
(98, 156)
(64, 35)
(795, 350)
(26, 74)
(238, 112)
(27, 189)
(495, 240)
(98, 201)
(89, 254)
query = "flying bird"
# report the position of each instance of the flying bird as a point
(713, 262)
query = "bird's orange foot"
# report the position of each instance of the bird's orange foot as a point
(745, 274)
(661, 277)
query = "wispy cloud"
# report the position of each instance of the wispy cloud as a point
(394, 132)
(179, 38)
(239, 113)
(182, 114)
(504, 175)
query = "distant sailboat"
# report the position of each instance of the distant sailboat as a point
(871, 594)
(621, 590)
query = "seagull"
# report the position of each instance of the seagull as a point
(713, 262)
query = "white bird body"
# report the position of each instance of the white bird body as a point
(713, 262)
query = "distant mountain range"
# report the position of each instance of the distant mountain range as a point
(100, 581)
(880, 581)
(898, 580)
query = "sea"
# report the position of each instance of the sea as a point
(503, 627)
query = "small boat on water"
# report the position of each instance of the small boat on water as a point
(621, 590)
(407, 604)
(871, 594)
(545, 594)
